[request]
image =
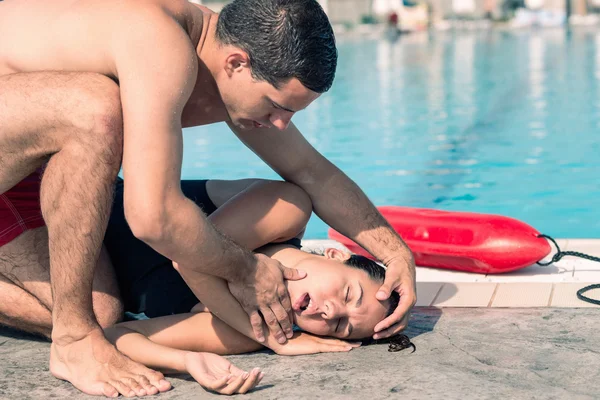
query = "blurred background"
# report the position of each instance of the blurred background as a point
(414, 15)
(488, 106)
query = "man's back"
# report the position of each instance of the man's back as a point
(76, 35)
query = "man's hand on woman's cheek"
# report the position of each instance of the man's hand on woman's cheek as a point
(264, 292)
(400, 277)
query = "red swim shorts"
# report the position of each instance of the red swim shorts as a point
(20, 208)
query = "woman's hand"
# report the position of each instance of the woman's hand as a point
(304, 343)
(219, 375)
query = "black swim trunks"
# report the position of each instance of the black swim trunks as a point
(148, 282)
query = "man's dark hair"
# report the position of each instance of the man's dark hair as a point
(284, 39)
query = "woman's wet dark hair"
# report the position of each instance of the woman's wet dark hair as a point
(284, 39)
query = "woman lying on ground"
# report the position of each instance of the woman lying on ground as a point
(336, 300)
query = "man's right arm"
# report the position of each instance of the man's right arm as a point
(157, 68)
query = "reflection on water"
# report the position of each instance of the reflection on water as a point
(497, 122)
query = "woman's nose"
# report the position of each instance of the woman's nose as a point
(332, 310)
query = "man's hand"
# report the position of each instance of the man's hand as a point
(304, 343)
(399, 277)
(265, 291)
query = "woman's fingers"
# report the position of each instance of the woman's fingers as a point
(233, 370)
(241, 383)
(335, 349)
(211, 383)
(335, 345)
(251, 382)
(234, 385)
(334, 341)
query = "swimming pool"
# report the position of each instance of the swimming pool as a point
(494, 122)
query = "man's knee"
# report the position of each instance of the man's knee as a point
(100, 120)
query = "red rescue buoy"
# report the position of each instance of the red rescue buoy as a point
(462, 241)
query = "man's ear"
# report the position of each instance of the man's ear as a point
(335, 254)
(236, 62)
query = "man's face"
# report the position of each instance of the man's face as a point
(257, 104)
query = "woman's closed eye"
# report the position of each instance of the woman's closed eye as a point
(347, 295)
(337, 326)
(339, 321)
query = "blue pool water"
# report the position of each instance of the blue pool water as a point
(494, 122)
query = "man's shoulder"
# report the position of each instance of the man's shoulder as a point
(203, 9)
(166, 5)
(159, 11)
(158, 15)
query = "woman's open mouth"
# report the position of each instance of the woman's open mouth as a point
(303, 303)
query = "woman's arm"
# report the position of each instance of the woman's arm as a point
(210, 370)
(139, 348)
(161, 342)
(190, 331)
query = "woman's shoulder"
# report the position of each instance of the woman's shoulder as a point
(286, 253)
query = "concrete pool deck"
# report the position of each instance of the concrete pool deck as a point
(500, 349)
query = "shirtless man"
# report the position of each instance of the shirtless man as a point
(176, 65)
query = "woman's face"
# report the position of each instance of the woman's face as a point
(335, 299)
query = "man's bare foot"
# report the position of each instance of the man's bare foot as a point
(96, 367)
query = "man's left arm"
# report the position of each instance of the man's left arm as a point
(339, 202)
